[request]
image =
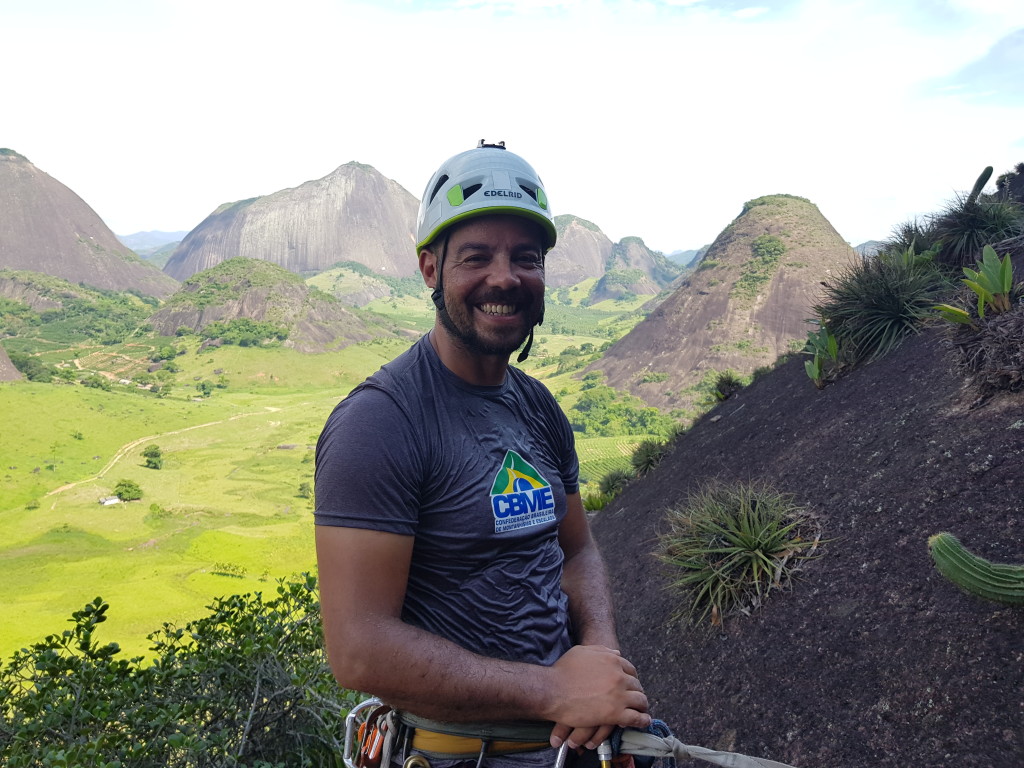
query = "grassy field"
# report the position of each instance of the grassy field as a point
(227, 512)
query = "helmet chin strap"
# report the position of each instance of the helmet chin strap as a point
(529, 340)
(437, 295)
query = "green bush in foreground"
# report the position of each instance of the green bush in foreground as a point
(247, 685)
(729, 545)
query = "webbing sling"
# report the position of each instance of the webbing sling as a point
(658, 741)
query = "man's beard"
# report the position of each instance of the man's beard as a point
(463, 330)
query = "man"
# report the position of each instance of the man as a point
(459, 580)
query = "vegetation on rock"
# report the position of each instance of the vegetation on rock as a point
(728, 545)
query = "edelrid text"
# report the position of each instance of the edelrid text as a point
(501, 193)
(522, 503)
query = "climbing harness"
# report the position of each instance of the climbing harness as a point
(373, 731)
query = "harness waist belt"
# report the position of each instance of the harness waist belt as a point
(448, 746)
(445, 739)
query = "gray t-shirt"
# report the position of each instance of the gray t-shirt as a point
(478, 475)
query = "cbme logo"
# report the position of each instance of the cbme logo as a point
(520, 497)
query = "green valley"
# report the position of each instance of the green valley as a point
(229, 509)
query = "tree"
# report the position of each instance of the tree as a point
(127, 490)
(246, 685)
(205, 387)
(153, 456)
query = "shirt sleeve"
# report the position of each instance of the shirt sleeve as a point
(366, 474)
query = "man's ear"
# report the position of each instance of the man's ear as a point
(428, 267)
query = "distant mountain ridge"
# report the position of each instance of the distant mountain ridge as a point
(583, 251)
(47, 228)
(144, 243)
(743, 307)
(352, 214)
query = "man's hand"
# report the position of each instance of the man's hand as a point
(595, 689)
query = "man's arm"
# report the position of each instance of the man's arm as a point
(363, 576)
(585, 582)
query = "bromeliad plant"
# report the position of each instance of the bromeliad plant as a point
(873, 304)
(729, 545)
(992, 283)
(825, 353)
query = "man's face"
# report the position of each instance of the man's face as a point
(493, 281)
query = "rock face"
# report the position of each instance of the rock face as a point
(28, 288)
(263, 292)
(584, 251)
(352, 214)
(7, 370)
(743, 307)
(581, 253)
(47, 228)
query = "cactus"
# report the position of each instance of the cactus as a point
(991, 581)
(979, 185)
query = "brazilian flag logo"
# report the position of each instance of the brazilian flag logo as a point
(520, 497)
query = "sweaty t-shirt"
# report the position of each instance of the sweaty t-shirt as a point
(478, 475)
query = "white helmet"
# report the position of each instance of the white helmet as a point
(481, 181)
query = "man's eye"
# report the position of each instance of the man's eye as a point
(530, 260)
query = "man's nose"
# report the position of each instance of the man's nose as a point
(503, 272)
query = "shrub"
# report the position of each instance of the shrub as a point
(729, 545)
(647, 456)
(969, 222)
(824, 349)
(873, 304)
(912, 235)
(154, 457)
(247, 685)
(727, 384)
(127, 490)
(594, 502)
(611, 485)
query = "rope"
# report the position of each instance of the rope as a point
(658, 741)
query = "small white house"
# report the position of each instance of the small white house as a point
(106, 501)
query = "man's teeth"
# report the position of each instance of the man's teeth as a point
(498, 309)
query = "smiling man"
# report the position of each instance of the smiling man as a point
(459, 580)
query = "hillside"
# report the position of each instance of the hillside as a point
(872, 659)
(265, 293)
(352, 214)
(47, 228)
(745, 305)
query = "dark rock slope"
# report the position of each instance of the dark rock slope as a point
(872, 659)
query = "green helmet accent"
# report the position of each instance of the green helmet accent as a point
(483, 181)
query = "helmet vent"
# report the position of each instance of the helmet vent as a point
(471, 190)
(531, 192)
(437, 187)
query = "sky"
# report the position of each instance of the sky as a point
(650, 118)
